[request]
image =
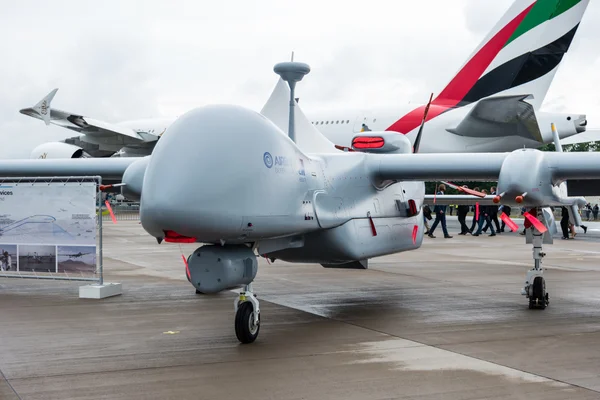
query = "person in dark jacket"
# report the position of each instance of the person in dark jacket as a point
(440, 215)
(493, 210)
(462, 217)
(426, 217)
(505, 210)
(475, 216)
(485, 217)
(564, 222)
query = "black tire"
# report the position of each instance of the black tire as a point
(244, 319)
(198, 292)
(539, 292)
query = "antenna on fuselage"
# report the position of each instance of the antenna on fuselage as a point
(292, 72)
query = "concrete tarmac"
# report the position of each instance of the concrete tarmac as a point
(446, 321)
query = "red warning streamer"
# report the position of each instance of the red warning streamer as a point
(187, 267)
(110, 210)
(535, 222)
(414, 234)
(509, 222)
(476, 211)
(372, 224)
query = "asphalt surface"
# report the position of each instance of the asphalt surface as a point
(443, 322)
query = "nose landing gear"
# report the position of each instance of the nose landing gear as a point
(247, 315)
(535, 284)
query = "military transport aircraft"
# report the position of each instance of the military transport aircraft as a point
(492, 104)
(246, 185)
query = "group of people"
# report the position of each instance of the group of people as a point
(484, 218)
(5, 261)
(567, 225)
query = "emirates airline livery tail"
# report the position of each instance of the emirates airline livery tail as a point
(493, 102)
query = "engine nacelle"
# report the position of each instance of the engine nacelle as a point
(58, 150)
(133, 178)
(382, 142)
(212, 269)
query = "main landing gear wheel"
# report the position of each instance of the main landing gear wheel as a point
(539, 298)
(247, 316)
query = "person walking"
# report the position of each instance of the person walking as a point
(564, 223)
(494, 211)
(485, 218)
(440, 216)
(426, 217)
(505, 210)
(462, 218)
(475, 215)
(462, 212)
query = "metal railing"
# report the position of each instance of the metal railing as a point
(123, 212)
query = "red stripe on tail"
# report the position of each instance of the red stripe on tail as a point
(464, 81)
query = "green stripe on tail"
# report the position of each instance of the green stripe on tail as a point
(542, 11)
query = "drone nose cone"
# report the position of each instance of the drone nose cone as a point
(208, 174)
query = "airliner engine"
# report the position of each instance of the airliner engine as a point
(58, 150)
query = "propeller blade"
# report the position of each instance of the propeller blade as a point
(420, 133)
(509, 222)
(535, 222)
(465, 190)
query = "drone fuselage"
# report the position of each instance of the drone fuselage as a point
(227, 175)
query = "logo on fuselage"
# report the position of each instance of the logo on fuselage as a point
(301, 171)
(268, 159)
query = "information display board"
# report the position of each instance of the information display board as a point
(49, 228)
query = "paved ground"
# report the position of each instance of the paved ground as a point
(443, 322)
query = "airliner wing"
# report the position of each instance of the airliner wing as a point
(80, 123)
(591, 135)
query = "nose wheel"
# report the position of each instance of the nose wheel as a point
(247, 316)
(538, 297)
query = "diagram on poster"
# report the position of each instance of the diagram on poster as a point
(48, 213)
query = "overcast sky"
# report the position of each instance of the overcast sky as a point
(120, 60)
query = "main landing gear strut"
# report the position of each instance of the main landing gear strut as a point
(247, 315)
(535, 284)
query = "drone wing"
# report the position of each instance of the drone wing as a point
(107, 168)
(437, 167)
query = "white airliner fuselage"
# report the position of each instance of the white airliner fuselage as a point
(340, 127)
